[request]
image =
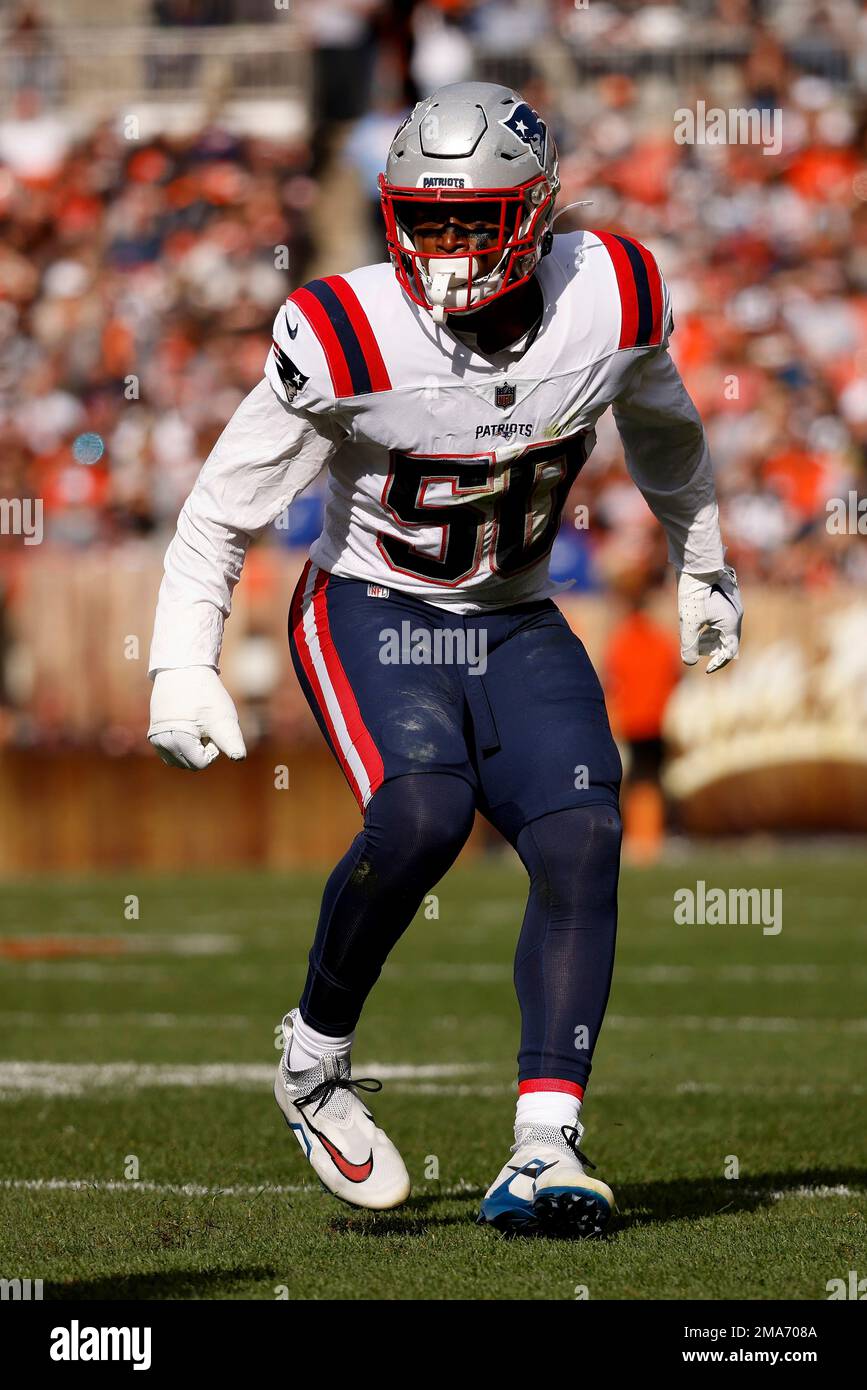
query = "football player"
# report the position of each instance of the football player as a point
(452, 397)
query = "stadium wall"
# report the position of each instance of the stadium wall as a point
(776, 743)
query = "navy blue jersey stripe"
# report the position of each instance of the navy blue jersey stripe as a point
(642, 292)
(346, 335)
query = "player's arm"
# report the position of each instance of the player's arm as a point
(267, 454)
(668, 458)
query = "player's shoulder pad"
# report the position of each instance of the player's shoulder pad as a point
(645, 318)
(325, 349)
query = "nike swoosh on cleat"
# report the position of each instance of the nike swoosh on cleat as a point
(355, 1172)
(534, 1167)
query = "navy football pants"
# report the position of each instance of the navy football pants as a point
(432, 715)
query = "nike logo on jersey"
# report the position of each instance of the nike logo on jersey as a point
(355, 1172)
(293, 332)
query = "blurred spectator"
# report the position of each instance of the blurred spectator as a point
(443, 51)
(641, 668)
(364, 151)
(30, 55)
(33, 141)
(343, 35)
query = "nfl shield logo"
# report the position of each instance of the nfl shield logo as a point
(504, 396)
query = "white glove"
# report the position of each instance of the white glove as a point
(193, 718)
(711, 614)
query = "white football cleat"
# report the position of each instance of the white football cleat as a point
(352, 1157)
(544, 1191)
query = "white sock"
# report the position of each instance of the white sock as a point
(308, 1046)
(550, 1109)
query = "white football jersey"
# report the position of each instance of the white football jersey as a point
(447, 470)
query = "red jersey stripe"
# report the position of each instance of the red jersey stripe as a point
(319, 321)
(379, 378)
(654, 281)
(298, 611)
(626, 286)
(359, 734)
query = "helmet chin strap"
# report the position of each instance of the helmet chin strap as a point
(437, 291)
(447, 274)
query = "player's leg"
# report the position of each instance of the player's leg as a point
(397, 733)
(563, 967)
(565, 955)
(414, 828)
(551, 786)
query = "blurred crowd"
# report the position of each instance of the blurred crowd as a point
(137, 288)
(139, 280)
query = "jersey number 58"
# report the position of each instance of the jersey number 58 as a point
(507, 510)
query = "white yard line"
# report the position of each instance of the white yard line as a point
(189, 1189)
(67, 1079)
(86, 971)
(133, 942)
(484, 972)
(709, 1023)
(810, 1192)
(29, 1018)
(24, 1018)
(740, 974)
(193, 944)
(75, 1079)
(461, 1188)
(719, 1088)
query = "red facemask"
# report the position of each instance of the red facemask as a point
(519, 216)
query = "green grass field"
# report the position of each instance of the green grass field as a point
(153, 1038)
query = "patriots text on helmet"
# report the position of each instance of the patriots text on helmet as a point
(445, 181)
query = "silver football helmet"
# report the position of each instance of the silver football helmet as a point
(480, 147)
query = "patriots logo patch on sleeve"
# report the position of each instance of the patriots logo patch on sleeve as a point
(292, 378)
(528, 127)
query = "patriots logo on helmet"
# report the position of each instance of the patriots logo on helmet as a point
(528, 127)
(293, 379)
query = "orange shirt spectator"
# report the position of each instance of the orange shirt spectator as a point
(642, 664)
